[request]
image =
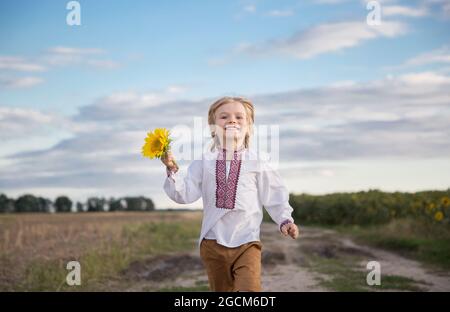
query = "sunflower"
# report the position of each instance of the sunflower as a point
(157, 143)
(438, 216)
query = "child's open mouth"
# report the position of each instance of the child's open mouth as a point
(232, 128)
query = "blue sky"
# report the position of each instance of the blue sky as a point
(358, 106)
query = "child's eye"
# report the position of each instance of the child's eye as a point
(224, 117)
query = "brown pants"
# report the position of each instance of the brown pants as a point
(232, 269)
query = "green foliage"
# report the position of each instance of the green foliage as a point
(139, 204)
(371, 207)
(6, 204)
(63, 204)
(30, 203)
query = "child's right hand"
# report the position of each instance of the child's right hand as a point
(169, 161)
(290, 229)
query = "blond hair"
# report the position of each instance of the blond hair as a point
(250, 114)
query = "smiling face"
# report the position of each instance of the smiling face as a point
(232, 117)
(231, 120)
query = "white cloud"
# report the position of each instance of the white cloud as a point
(245, 11)
(437, 56)
(251, 8)
(394, 10)
(342, 84)
(325, 38)
(20, 122)
(425, 78)
(128, 101)
(327, 173)
(68, 56)
(280, 13)
(441, 55)
(177, 89)
(26, 115)
(140, 110)
(75, 51)
(20, 82)
(19, 64)
(387, 174)
(59, 56)
(56, 56)
(405, 117)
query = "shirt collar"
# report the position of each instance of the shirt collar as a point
(239, 151)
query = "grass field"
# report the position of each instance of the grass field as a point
(118, 250)
(35, 248)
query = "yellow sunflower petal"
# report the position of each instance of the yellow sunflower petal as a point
(156, 143)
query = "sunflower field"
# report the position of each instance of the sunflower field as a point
(371, 207)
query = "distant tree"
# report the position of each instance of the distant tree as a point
(114, 204)
(79, 207)
(45, 205)
(94, 204)
(27, 203)
(123, 204)
(139, 204)
(105, 205)
(63, 204)
(6, 204)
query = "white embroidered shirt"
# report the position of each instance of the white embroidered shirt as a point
(233, 202)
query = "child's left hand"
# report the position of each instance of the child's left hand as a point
(290, 229)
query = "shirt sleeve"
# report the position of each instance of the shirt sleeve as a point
(188, 189)
(274, 195)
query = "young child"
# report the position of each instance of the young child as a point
(234, 185)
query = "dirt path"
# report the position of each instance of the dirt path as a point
(287, 265)
(294, 273)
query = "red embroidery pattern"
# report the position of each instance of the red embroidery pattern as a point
(226, 188)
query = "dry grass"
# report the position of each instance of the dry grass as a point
(30, 239)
